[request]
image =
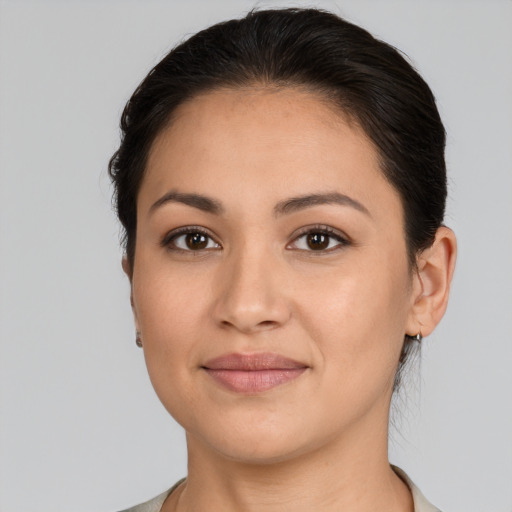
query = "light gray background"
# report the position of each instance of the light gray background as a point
(81, 429)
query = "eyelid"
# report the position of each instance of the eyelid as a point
(183, 230)
(336, 234)
(342, 238)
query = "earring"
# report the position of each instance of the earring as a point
(138, 339)
(418, 337)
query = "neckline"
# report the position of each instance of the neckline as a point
(421, 504)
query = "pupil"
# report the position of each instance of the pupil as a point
(318, 241)
(196, 241)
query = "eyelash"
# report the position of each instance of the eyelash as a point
(169, 240)
(332, 234)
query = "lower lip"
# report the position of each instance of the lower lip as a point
(254, 381)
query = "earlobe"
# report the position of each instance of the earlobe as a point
(127, 268)
(435, 267)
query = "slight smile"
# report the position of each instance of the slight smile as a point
(253, 373)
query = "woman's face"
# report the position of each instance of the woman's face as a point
(271, 283)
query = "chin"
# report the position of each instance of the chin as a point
(263, 441)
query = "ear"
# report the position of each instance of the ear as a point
(127, 268)
(431, 286)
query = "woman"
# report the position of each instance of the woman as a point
(281, 182)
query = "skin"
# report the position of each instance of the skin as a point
(318, 442)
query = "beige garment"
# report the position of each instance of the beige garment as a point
(155, 504)
(420, 502)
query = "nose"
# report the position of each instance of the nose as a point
(251, 295)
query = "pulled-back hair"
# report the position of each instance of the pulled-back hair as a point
(366, 79)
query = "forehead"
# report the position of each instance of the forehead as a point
(261, 141)
(268, 118)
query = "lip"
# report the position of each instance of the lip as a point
(253, 373)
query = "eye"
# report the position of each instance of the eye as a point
(322, 239)
(189, 239)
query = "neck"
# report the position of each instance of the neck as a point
(346, 474)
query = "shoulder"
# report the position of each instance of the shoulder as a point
(421, 504)
(155, 504)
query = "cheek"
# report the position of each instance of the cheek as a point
(170, 308)
(358, 319)
(364, 293)
(167, 296)
(171, 322)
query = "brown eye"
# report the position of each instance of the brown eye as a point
(189, 239)
(317, 241)
(196, 241)
(322, 239)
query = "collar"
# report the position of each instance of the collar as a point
(421, 504)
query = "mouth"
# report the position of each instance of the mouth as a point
(253, 373)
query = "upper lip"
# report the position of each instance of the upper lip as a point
(253, 362)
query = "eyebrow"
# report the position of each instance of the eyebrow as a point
(203, 203)
(302, 202)
(288, 206)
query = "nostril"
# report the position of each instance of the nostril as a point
(267, 323)
(264, 325)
